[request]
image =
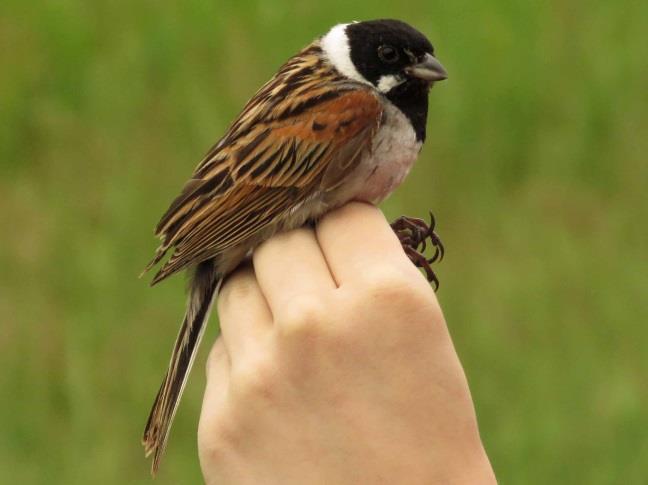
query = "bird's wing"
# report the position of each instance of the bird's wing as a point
(264, 167)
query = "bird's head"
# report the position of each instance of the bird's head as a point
(383, 53)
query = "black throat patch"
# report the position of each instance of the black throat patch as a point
(411, 98)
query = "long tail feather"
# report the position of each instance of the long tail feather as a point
(204, 286)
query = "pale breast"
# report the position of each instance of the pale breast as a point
(394, 151)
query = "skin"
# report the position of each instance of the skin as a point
(335, 365)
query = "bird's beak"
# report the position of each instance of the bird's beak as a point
(429, 69)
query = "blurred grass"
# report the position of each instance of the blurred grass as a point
(535, 168)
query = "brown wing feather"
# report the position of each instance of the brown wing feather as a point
(276, 154)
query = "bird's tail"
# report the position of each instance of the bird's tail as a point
(204, 285)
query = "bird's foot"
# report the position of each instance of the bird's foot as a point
(413, 234)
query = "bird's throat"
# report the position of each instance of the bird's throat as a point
(411, 98)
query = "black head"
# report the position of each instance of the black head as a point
(393, 57)
(388, 53)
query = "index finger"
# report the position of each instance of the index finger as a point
(357, 237)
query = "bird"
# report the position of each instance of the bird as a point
(344, 119)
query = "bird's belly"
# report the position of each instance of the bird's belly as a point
(393, 153)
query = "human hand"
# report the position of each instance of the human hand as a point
(335, 366)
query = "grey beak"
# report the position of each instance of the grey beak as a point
(429, 69)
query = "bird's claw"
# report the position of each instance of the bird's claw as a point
(414, 234)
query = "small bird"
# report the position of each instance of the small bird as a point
(344, 119)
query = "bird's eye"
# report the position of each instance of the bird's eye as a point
(387, 54)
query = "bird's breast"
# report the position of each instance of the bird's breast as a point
(393, 153)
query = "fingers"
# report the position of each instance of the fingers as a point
(218, 371)
(356, 238)
(243, 313)
(289, 265)
(218, 379)
(217, 365)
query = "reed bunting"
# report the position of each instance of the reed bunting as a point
(342, 120)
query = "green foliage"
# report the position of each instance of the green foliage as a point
(535, 169)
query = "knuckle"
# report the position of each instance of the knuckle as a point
(255, 380)
(387, 284)
(217, 435)
(216, 355)
(392, 296)
(302, 317)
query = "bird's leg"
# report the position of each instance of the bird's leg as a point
(413, 234)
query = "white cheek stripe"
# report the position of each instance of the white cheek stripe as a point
(335, 45)
(389, 81)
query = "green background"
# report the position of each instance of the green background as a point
(535, 168)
